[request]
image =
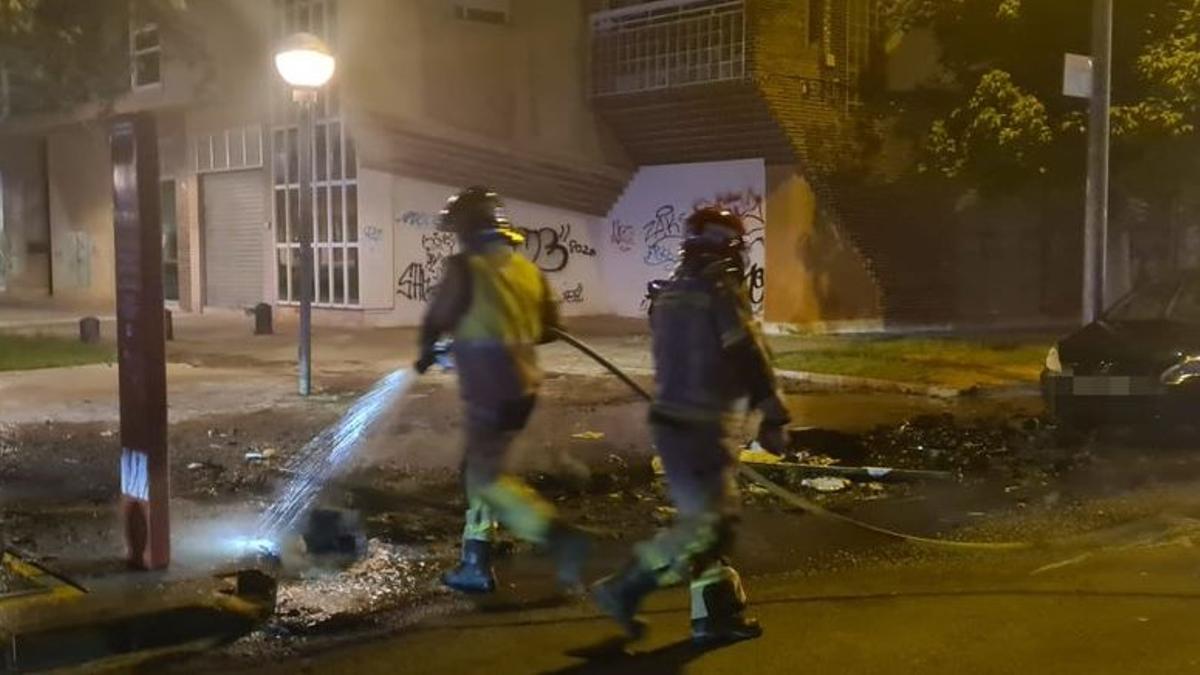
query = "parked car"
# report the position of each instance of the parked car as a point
(1139, 362)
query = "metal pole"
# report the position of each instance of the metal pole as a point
(306, 100)
(142, 373)
(1095, 256)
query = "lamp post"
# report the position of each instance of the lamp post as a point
(1095, 242)
(306, 64)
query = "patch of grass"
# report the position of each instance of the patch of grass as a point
(25, 352)
(960, 363)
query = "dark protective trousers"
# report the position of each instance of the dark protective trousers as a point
(493, 495)
(700, 465)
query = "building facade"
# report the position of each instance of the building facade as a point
(602, 123)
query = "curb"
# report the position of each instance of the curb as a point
(847, 382)
(130, 625)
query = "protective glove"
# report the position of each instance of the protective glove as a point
(423, 364)
(772, 431)
(773, 438)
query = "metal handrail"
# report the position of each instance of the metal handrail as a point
(649, 8)
(702, 41)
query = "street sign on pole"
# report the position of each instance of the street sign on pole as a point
(1077, 76)
(1095, 241)
(142, 374)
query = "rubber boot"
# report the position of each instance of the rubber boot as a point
(620, 595)
(474, 573)
(720, 616)
(569, 546)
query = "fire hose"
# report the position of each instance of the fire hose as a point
(787, 496)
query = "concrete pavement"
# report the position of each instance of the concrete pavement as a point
(1129, 607)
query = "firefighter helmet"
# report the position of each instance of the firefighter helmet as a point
(475, 209)
(715, 240)
(715, 223)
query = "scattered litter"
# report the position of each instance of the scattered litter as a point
(255, 457)
(839, 446)
(1062, 563)
(195, 466)
(826, 483)
(588, 436)
(656, 465)
(388, 576)
(756, 455)
(107, 433)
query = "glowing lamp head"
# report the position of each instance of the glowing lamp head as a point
(304, 61)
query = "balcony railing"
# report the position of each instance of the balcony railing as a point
(667, 44)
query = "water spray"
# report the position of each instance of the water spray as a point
(320, 458)
(787, 496)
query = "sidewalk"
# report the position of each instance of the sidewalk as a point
(33, 319)
(218, 365)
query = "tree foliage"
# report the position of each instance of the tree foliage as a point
(1003, 117)
(62, 52)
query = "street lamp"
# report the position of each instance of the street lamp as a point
(306, 64)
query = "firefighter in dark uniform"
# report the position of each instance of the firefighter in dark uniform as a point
(498, 307)
(711, 366)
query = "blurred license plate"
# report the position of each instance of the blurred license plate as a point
(1113, 386)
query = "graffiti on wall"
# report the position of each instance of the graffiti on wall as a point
(417, 219)
(622, 236)
(573, 296)
(551, 248)
(413, 283)
(748, 205)
(662, 235)
(756, 275)
(420, 278)
(74, 254)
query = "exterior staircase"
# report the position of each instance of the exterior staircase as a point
(709, 80)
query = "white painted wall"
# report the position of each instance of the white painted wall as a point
(563, 243)
(377, 283)
(645, 228)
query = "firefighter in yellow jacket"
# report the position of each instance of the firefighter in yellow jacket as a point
(498, 307)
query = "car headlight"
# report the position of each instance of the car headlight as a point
(1182, 372)
(1053, 362)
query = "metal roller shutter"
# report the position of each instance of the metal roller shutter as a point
(234, 218)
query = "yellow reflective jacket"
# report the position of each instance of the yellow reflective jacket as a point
(499, 307)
